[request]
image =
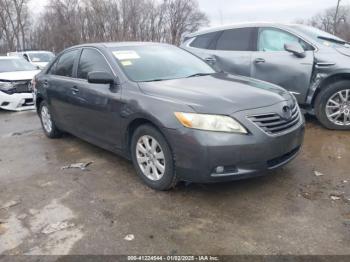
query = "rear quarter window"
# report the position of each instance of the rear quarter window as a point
(240, 39)
(204, 41)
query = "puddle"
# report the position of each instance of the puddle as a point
(12, 234)
(56, 242)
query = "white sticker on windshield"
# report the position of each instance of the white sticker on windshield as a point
(126, 55)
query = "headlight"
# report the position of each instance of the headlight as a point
(214, 123)
(6, 86)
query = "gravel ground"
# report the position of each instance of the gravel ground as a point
(303, 208)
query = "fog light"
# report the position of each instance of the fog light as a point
(219, 170)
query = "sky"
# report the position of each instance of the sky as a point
(221, 12)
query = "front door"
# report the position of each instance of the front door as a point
(272, 63)
(98, 110)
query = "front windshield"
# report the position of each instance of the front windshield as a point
(41, 57)
(321, 37)
(158, 62)
(15, 64)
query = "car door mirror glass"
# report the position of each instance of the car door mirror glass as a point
(100, 78)
(295, 49)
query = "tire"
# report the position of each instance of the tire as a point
(148, 162)
(323, 114)
(47, 123)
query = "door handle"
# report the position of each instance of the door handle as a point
(210, 59)
(75, 90)
(46, 83)
(259, 61)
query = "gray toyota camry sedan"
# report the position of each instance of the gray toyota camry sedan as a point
(168, 111)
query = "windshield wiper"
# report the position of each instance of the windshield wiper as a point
(165, 79)
(156, 80)
(333, 40)
(199, 74)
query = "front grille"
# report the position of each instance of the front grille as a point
(274, 124)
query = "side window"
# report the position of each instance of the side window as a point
(204, 41)
(240, 39)
(91, 60)
(274, 40)
(52, 69)
(65, 64)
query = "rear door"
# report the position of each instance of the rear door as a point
(272, 63)
(229, 50)
(60, 87)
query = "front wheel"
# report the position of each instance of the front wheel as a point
(152, 158)
(332, 106)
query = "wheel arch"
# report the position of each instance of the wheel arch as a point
(39, 99)
(329, 80)
(137, 122)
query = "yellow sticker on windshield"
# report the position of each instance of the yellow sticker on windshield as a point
(126, 55)
(126, 63)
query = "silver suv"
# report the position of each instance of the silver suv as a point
(310, 63)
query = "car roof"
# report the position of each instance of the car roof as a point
(39, 51)
(9, 57)
(240, 25)
(30, 52)
(119, 44)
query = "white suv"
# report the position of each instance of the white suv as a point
(15, 83)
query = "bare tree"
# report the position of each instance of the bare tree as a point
(13, 23)
(5, 28)
(21, 20)
(335, 25)
(68, 22)
(333, 20)
(183, 16)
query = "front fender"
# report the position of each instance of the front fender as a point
(322, 79)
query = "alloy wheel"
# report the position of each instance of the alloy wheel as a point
(46, 119)
(150, 158)
(338, 108)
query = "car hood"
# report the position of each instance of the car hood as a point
(343, 50)
(18, 75)
(219, 93)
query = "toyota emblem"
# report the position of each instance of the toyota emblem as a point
(286, 113)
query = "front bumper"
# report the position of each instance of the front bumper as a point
(199, 153)
(17, 101)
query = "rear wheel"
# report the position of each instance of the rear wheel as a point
(47, 122)
(152, 158)
(332, 106)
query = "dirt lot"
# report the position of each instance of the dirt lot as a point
(47, 210)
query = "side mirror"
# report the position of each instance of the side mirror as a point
(295, 49)
(100, 78)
